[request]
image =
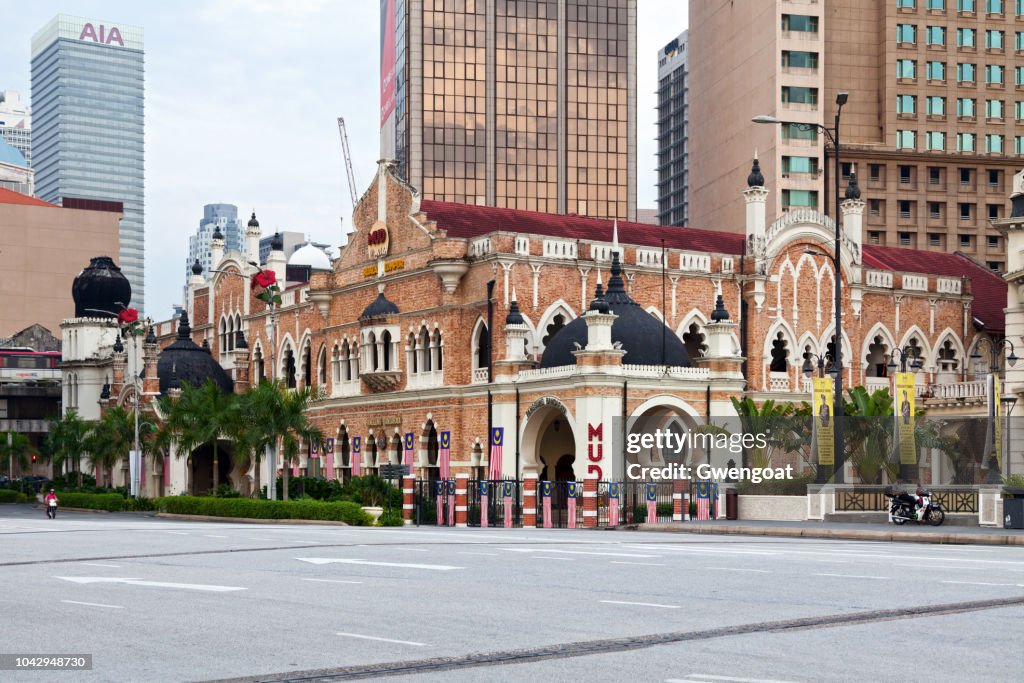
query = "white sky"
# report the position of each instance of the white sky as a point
(242, 98)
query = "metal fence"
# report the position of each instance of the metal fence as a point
(559, 504)
(497, 509)
(633, 501)
(426, 501)
(963, 499)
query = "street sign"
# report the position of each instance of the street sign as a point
(393, 471)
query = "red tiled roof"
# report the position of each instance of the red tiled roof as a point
(470, 220)
(989, 289)
(12, 197)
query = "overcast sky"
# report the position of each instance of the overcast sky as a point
(242, 98)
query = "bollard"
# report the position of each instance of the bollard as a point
(590, 502)
(461, 508)
(408, 484)
(530, 501)
(677, 500)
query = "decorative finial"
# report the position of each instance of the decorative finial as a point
(756, 178)
(615, 236)
(599, 304)
(118, 346)
(197, 267)
(514, 317)
(719, 314)
(217, 234)
(852, 189)
(151, 336)
(253, 223)
(184, 329)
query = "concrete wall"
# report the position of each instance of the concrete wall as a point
(775, 508)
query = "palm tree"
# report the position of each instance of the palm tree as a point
(784, 426)
(282, 412)
(16, 448)
(201, 416)
(253, 429)
(65, 441)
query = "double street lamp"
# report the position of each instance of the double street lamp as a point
(995, 349)
(837, 362)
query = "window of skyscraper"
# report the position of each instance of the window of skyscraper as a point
(965, 106)
(906, 33)
(799, 22)
(965, 73)
(935, 35)
(994, 39)
(905, 139)
(936, 71)
(906, 104)
(799, 95)
(906, 68)
(936, 105)
(965, 37)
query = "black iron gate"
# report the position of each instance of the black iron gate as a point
(563, 497)
(434, 502)
(635, 496)
(504, 502)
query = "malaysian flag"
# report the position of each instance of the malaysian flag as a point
(357, 456)
(484, 500)
(652, 502)
(409, 442)
(613, 504)
(507, 490)
(329, 457)
(314, 448)
(703, 500)
(497, 439)
(545, 493)
(445, 454)
(439, 494)
(571, 490)
(451, 501)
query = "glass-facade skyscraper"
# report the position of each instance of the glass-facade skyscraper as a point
(88, 118)
(524, 104)
(224, 216)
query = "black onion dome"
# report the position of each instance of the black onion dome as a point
(719, 314)
(253, 223)
(277, 242)
(638, 332)
(101, 290)
(197, 267)
(379, 307)
(217, 234)
(514, 317)
(853, 189)
(599, 304)
(151, 335)
(185, 361)
(756, 178)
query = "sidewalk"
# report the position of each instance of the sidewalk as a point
(845, 531)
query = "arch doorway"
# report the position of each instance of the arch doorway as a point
(200, 468)
(549, 442)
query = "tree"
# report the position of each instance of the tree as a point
(16, 449)
(65, 441)
(281, 413)
(200, 416)
(784, 426)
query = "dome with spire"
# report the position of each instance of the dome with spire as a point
(756, 178)
(309, 256)
(101, 290)
(197, 267)
(277, 242)
(185, 361)
(253, 223)
(379, 308)
(853, 189)
(217, 234)
(637, 332)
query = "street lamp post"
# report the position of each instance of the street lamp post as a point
(833, 136)
(908, 354)
(995, 349)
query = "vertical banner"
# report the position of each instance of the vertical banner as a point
(651, 494)
(485, 495)
(824, 425)
(703, 500)
(444, 454)
(572, 491)
(450, 484)
(507, 491)
(314, 448)
(329, 458)
(613, 504)
(545, 493)
(439, 495)
(497, 439)
(905, 395)
(357, 456)
(997, 413)
(408, 442)
(387, 59)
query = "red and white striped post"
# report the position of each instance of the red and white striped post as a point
(590, 502)
(461, 507)
(686, 500)
(680, 502)
(408, 483)
(529, 501)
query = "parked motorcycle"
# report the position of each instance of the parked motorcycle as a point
(904, 508)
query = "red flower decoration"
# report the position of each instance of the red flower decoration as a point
(127, 316)
(264, 279)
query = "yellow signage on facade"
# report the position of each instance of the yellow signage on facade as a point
(824, 422)
(906, 385)
(997, 389)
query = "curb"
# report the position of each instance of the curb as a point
(841, 534)
(250, 520)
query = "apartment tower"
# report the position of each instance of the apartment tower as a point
(673, 142)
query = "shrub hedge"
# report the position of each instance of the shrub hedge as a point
(111, 502)
(393, 518)
(348, 512)
(9, 496)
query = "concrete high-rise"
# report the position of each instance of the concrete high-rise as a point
(16, 123)
(673, 143)
(223, 216)
(527, 104)
(932, 124)
(87, 143)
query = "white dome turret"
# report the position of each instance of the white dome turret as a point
(311, 256)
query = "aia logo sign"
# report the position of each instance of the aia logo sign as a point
(378, 240)
(103, 36)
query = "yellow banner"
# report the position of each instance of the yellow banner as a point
(824, 424)
(905, 410)
(997, 390)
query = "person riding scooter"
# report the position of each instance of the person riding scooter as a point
(51, 504)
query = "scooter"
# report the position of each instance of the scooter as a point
(51, 509)
(905, 508)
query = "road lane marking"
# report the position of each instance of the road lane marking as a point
(97, 564)
(335, 560)
(641, 564)
(724, 679)
(152, 584)
(640, 604)
(982, 583)
(559, 559)
(739, 569)
(485, 554)
(578, 552)
(412, 550)
(854, 576)
(382, 640)
(209, 536)
(178, 533)
(332, 581)
(92, 604)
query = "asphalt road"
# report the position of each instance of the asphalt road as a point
(167, 600)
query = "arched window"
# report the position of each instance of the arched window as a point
(321, 367)
(483, 354)
(343, 448)
(307, 366)
(336, 364)
(878, 358)
(830, 353)
(424, 344)
(557, 323)
(780, 354)
(385, 342)
(947, 357)
(432, 444)
(371, 348)
(413, 361)
(915, 350)
(346, 357)
(223, 335)
(438, 353)
(231, 334)
(693, 340)
(289, 367)
(257, 359)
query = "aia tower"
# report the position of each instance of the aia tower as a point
(88, 148)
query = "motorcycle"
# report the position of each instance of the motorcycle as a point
(51, 508)
(905, 508)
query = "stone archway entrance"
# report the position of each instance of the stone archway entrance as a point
(549, 441)
(200, 468)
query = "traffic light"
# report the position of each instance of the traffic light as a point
(34, 458)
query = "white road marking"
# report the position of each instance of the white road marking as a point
(383, 640)
(335, 560)
(739, 569)
(854, 576)
(209, 536)
(725, 679)
(412, 550)
(97, 564)
(559, 559)
(714, 551)
(641, 564)
(981, 583)
(154, 584)
(92, 604)
(331, 581)
(487, 554)
(640, 604)
(178, 533)
(578, 552)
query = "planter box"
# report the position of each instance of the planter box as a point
(774, 508)
(374, 512)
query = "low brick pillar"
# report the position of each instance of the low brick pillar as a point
(461, 499)
(680, 500)
(530, 501)
(590, 502)
(408, 484)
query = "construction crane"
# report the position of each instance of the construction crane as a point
(348, 161)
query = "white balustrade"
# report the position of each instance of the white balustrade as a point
(778, 382)
(879, 278)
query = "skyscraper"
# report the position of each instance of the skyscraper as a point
(673, 172)
(87, 100)
(16, 123)
(526, 104)
(932, 125)
(224, 216)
